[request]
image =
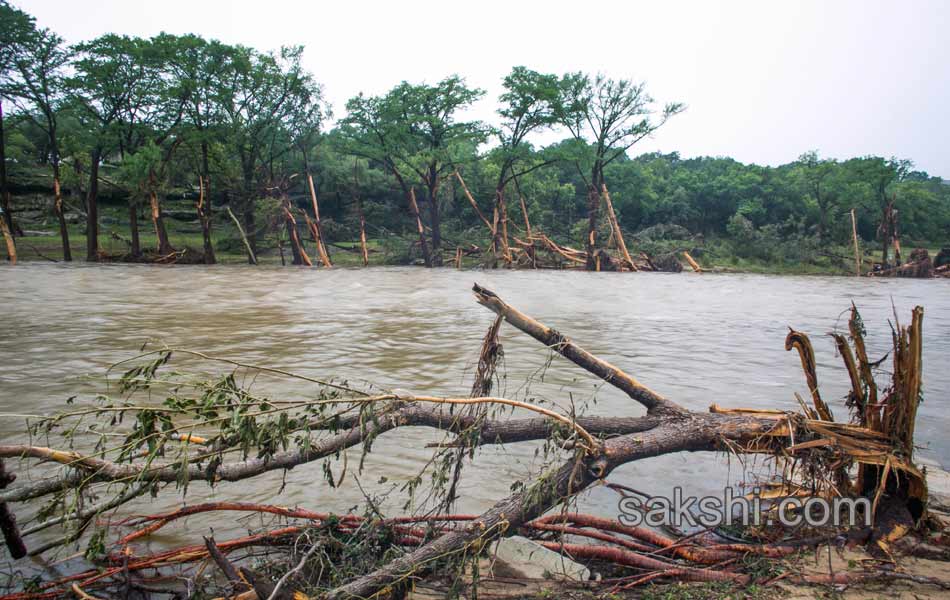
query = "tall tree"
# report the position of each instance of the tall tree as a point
(881, 175)
(528, 104)
(16, 27)
(816, 174)
(609, 116)
(414, 133)
(38, 88)
(265, 90)
(203, 71)
(109, 74)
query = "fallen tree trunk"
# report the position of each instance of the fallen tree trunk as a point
(880, 442)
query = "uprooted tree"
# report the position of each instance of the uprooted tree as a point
(193, 435)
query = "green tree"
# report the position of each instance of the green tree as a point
(266, 90)
(609, 116)
(528, 104)
(814, 174)
(39, 90)
(16, 28)
(881, 175)
(110, 74)
(413, 132)
(203, 72)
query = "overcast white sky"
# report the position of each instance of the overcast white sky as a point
(764, 81)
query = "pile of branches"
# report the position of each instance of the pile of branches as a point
(533, 249)
(918, 266)
(219, 432)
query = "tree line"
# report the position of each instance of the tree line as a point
(250, 131)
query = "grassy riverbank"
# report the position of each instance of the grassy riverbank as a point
(763, 255)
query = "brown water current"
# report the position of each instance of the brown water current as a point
(698, 339)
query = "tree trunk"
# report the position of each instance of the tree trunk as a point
(500, 241)
(251, 257)
(61, 217)
(4, 192)
(11, 533)
(524, 212)
(92, 207)
(300, 255)
(204, 215)
(363, 249)
(435, 225)
(317, 231)
(474, 204)
(136, 247)
(854, 239)
(896, 235)
(414, 209)
(249, 226)
(8, 238)
(593, 211)
(164, 246)
(616, 228)
(206, 209)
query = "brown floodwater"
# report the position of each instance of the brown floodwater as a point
(699, 339)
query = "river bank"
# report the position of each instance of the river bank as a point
(721, 254)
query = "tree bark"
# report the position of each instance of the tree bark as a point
(92, 207)
(414, 209)
(4, 191)
(616, 227)
(501, 229)
(317, 231)
(435, 224)
(204, 217)
(296, 247)
(251, 257)
(164, 246)
(590, 244)
(250, 227)
(563, 345)
(60, 216)
(524, 212)
(692, 262)
(8, 239)
(854, 238)
(471, 200)
(698, 433)
(11, 533)
(363, 249)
